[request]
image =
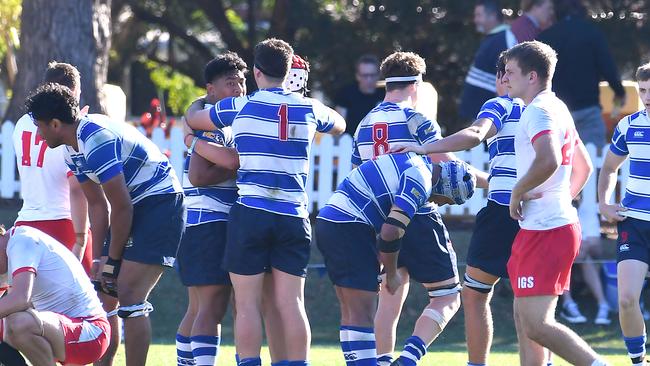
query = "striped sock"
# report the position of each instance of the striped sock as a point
(204, 349)
(384, 360)
(358, 345)
(280, 363)
(236, 358)
(476, 364)
(183, 351)
(297, 363)
(414, 349)
(251, 361)
(636, 349)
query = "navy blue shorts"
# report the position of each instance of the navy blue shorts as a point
(201, 253)
(426, 251)
(258, 239)
(491, 243)
(350, 254)
(633, 240)
(156, 231)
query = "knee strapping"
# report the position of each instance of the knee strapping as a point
(112, 313)
(437, 317)
(477, 285)
(444, 290)
(134, 311)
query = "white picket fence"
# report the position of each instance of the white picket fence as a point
(330, 164)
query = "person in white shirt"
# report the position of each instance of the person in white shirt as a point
(52, 312)
(52, 198)
(552, 167)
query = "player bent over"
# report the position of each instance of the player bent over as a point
(52, 312)
(117, 165)
(369, 214)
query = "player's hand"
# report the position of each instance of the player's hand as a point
(110, 271)
(612, 213)
(84, 111)
(403, 148)
(393, 282)
(96, 269)
(516, 201)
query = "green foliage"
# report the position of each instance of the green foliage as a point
(10, 19)
(180, 89)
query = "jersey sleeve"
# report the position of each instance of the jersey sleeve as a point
(619, 144)
(423, 129)
(495, 111)
(536, 122)
(414, 190)
(103, 153)
(325, 116)
(224, 112)
(24, 254)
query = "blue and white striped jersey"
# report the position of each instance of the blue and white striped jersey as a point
(632, 137)
(388, 124)
(369, 192)
(504, 112)
(108, 148)
(273, 131)
(211, 203)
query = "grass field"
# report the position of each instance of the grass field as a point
(164, 354)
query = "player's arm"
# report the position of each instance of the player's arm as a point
(342, 111)
(548, 158)
(197, 117)
(328, 120)
(98, 215)
(581, 169)
(389, 243)
(606, 184)
(79, 215)
(211, 163)
(464, 139)
(19, 298)
(121, 217)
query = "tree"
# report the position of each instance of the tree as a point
(73, 31)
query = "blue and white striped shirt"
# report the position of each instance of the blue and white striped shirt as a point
(108, 148)
(632, 137)
(369, 192)
(388, 124)
(211, 203)
(504, 112)
(273, 131)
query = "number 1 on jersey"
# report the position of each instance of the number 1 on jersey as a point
(27, 149)
(283, 126)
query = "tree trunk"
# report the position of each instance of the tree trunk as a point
(73, 31)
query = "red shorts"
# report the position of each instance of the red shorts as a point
(63, 231)
(541, 260)
(86, 339)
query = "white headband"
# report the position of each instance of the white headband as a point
(395, 79)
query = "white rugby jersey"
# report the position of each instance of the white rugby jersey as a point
(632, 137)
(108, 148)
(273, 131)
(504, 112)
(210, 203)
(368, 192)
(547, 114)
(61, 284)
(43, 175)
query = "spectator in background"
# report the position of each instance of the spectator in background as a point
(583, 60)
(537, 16)
(481, 77)
(354, 101)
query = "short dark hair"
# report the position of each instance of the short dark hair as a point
(51, 101)
(273, 57)
(402, 64)
(62, 73)
(534, 56)
(367, 59)
(491, 6)
(223, 64)
(643, 72)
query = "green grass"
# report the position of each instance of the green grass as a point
(165, 354)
